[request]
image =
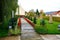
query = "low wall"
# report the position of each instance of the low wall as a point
(29, 22)
(19, 22)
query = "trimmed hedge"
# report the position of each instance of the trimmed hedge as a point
(34, 20)
(54, 18)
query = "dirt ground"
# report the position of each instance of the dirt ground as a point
(11, 38)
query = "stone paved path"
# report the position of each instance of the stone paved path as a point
(28, 32)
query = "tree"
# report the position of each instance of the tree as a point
(31, 14)
(42, 14)
(25, 14)
(34, 20)
(37, 13)
(42, 22)
(0, 10)
(6, 10)
(7, 6)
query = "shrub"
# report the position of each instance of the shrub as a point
(3, 32)
(54, 18)
(40, 29)
(31, 18)
(35, 20)
(16, 31)
(42, 22)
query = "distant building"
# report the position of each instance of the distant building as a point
(20, 11)
(55, 14)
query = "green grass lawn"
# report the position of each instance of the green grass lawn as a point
(3, 31)
(48, 28)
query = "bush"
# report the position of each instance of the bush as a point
(46, 17)
(28, 17)
(31, 18)
(13, 21)
(4, 27)
(42, 22)
(40, 29)
(3, 33)
(16, 31)
(35, 20)
(54, 18)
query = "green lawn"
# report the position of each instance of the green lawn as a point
(48, 28)
(3, 31)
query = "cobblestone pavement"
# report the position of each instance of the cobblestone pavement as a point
(11, 38)
(28, 32)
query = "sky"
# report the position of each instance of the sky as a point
(46, 5)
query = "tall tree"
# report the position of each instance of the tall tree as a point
(42, 14)
(37, 13)
(0, 10)
(7, 6)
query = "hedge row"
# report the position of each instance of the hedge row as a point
(54, 18)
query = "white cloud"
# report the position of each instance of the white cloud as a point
(46, 5)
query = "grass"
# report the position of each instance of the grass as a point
(41, 30)
(3, 30)
(48, 28)
(15, 32)
(3, 33)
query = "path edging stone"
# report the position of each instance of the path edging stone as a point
(29, 22)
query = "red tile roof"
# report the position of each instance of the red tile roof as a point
(57, 12)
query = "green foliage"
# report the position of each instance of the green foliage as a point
(57, 19)
(30, 18)
(16, 31)
(3, 33)
(5, 14)
(37, 12)
(42, 22)
(40, 29)
(47, 27)
(6, 8)
(35, 20)
(31, 14)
